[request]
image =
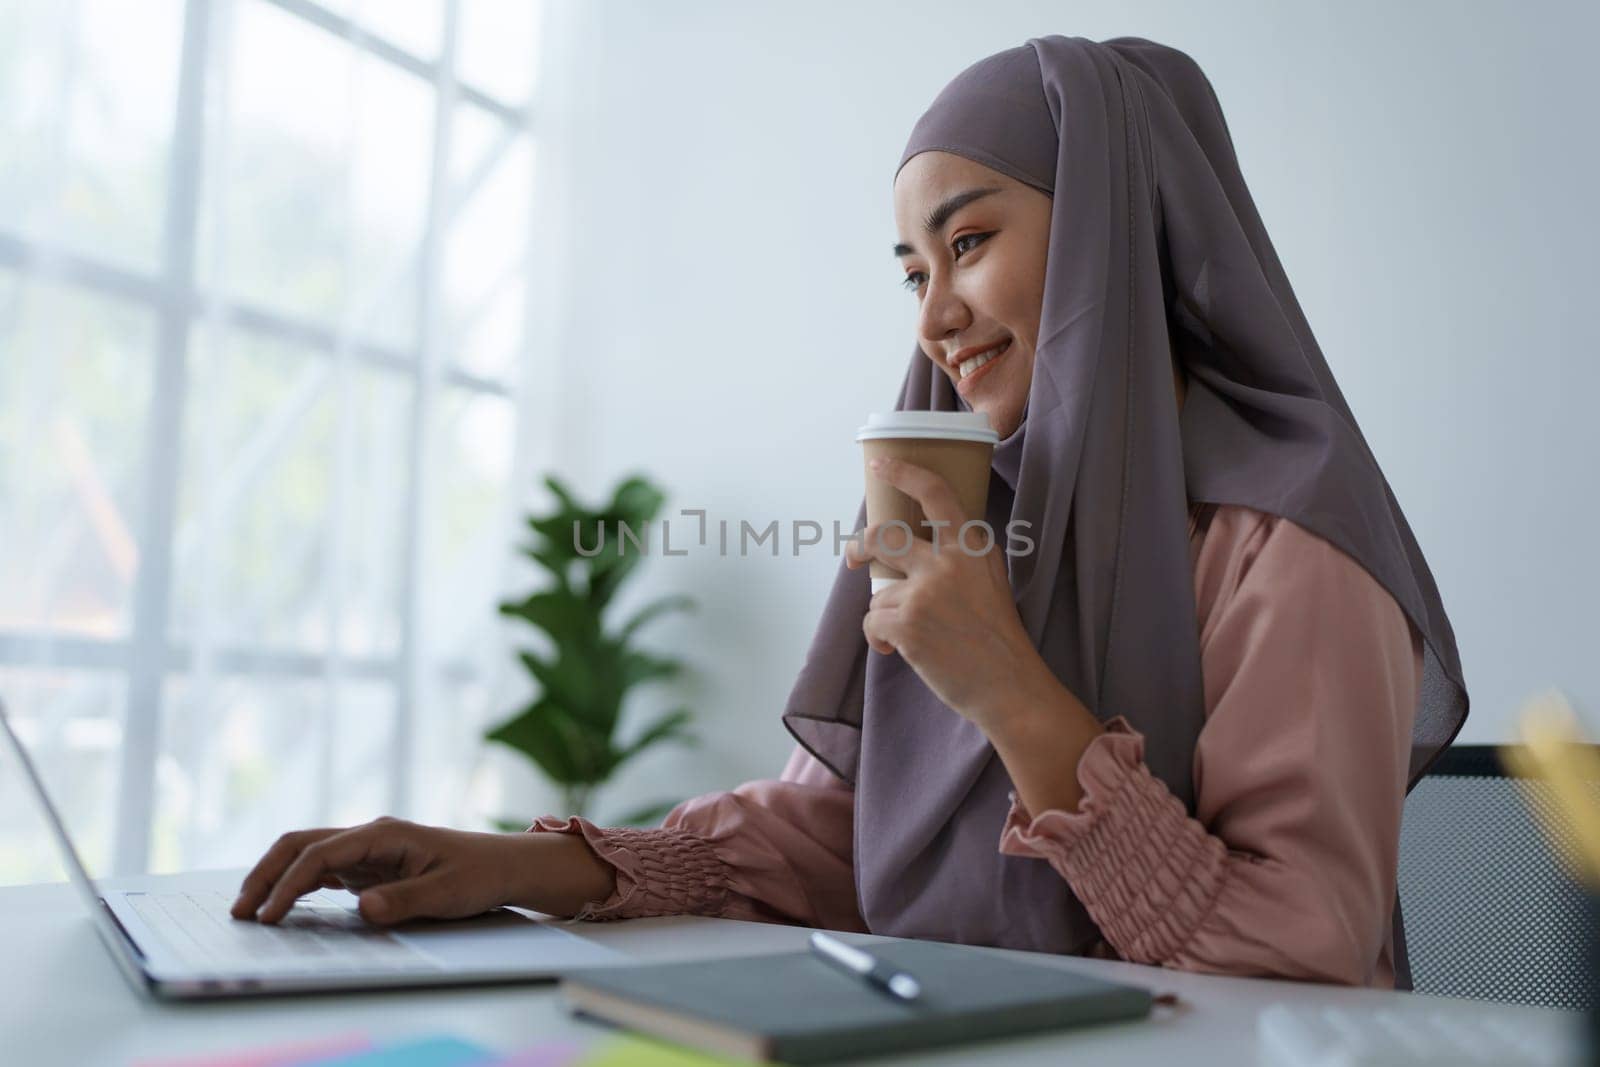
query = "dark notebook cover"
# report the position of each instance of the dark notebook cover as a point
(797, 1009)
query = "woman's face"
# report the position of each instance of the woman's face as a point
(972, 243)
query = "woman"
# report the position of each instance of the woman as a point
(1180, 730)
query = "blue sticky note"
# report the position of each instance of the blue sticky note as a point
(424, 1052)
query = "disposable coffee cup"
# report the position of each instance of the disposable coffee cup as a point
(959, 445)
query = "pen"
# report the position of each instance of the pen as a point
(865, 965)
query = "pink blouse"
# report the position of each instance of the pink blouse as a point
(1287, 867)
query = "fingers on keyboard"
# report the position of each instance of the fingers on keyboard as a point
(259, 883)
(319, 859)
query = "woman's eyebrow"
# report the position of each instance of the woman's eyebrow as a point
(941, 214)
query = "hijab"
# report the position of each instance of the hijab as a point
(1155, 252)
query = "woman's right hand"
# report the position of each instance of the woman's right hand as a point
(403, 870)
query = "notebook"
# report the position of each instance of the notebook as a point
(794, 1008)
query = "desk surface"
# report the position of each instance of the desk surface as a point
(62, 999)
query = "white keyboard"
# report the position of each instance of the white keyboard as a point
(318, 936)
(1343, 1037)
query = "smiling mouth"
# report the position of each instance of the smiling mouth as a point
(977, 366)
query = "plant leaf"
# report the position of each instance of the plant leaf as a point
(650, 612)
(573, 535)
(673, 726)
(634, 503)
(551, 560)
(569, 683)
(559, 613)
(545, 733)
(636, 500)
(605, 581)
(562, 493)
(636, 668)
(585, 674)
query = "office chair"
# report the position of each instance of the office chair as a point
(1489, 910)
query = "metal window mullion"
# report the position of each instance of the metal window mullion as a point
(69, 651)
(42, 261)
(545, 287)
(336, 542)
(430, 359)
(546, 303)
(74, 652)
(348, 31)
(163, 461)
(202, 672)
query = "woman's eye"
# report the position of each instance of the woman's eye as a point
(975, 238)
(916, 279)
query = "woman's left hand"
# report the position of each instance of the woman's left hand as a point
(952, 618)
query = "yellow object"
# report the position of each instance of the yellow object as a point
(644, 1052)
(1554, 751)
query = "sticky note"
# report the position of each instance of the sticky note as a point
(439, 1051)
(278, 1055)
(554, 1054)
(643, 1052)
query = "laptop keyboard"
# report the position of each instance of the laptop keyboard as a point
(318, 936)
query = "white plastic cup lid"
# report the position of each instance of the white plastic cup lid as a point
(939, 425)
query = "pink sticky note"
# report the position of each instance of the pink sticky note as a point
(285, 1055)
(554, 1054)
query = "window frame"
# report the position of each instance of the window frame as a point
(148, 656)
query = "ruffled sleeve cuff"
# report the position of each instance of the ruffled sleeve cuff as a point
(1147, 873)
(658, 871)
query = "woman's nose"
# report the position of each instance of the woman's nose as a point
(942, 312)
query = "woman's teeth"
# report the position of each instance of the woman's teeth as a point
(971, 365)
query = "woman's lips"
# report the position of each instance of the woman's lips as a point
(967, 384)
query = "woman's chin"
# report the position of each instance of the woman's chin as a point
(1005, 414)
(1003, 418)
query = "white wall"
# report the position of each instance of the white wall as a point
(1426, 170)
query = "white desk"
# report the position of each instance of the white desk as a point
(63, 1001)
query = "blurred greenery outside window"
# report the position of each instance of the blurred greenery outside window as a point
(263, 296)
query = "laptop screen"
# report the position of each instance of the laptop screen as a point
(58, 829)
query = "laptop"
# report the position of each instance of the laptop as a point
(182, 944)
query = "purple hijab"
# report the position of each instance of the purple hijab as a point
(1155, 251)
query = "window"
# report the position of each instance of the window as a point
(264, 285)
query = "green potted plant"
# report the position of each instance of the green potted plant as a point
(569, 727)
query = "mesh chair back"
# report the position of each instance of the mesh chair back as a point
(1490, 911)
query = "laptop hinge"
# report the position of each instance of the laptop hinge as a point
(123, 930)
